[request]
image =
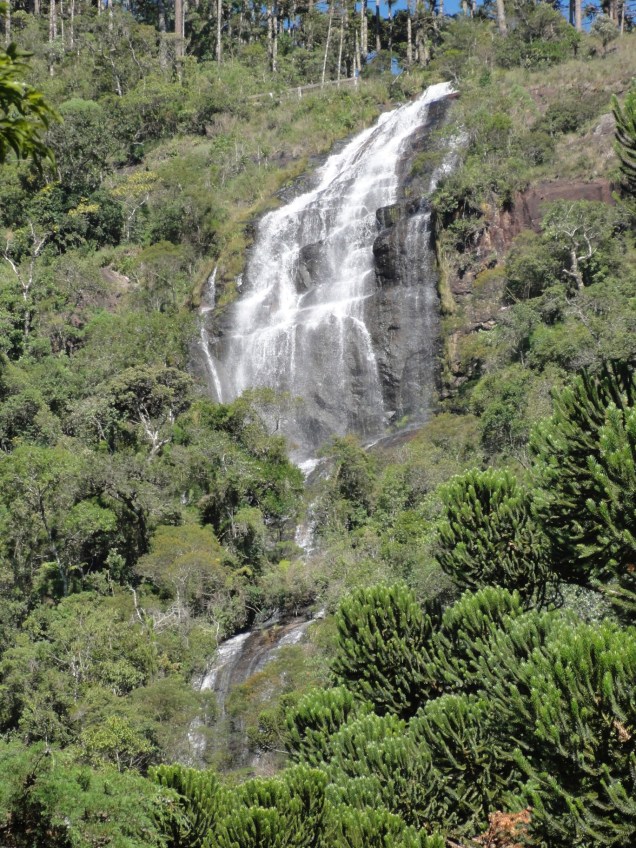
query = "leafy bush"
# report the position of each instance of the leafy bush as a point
(541, 36)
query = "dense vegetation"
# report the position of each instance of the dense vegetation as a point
(477, 676)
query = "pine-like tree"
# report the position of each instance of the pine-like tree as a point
(382, 650)
(488, 535)
(614, 472)
(314, 721)
(625, 144)
(285, 812)
(467, 630)
(377, 762)
(584, 470)
(372, 827)
(188, 822)
(578, 748)
(471, 774)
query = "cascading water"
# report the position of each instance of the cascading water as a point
(339, 309)
(207, 306)
(304, 323)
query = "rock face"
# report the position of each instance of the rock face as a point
(403, 313)
(478, 292)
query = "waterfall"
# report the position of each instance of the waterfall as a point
(306, 321)
(208, 302)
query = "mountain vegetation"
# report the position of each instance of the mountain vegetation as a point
(472, 682)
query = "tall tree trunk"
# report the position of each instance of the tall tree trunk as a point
(275, 39)
(240, 24)
(161, 18)
(219, 28)
(364, 31)
(178, 28)
(324, 64)
(357, 61)
(578, 16)
(52, 21)
(52, 32)
(7, 23)
(71, 26)
(378, 43)
(501, 17)
(36, 8)
(409, 37)
(272, 35)
(342, 20)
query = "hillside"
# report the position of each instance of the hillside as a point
(472, 677)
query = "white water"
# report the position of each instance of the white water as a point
(207, 305)
(299, 326)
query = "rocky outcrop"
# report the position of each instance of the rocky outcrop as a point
(403, 313)
(477, 288)
(308, 269)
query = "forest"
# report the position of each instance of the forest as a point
(473, 679)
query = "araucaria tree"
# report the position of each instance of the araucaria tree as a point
(488, 535)
(586, 462)
(625, 145)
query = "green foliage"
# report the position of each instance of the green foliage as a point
(583, 237)
(369, 827)
(48, 801)
(314, 721)
(541, 37)
(625, 144)
(284, 813)
(583, 453)
(466, 634)
(24, 113)
(604, 28)
(581, 758)
(469, 774)
(382, 637)
(488, 535)
(377, 762)
(530, 268)
(188, 822)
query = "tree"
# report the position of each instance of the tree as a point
(625, 143)
(378, 762)
(288, 812)
(25, 115)
(185, 563)
(470, 773)
(375, 827)
(583, 232)
(46, 798)
(605, 29)
(488, 535)
(381, 653)
(501, 18)
(579, 746)
(584, 462)
(190, 818)
(313, 722)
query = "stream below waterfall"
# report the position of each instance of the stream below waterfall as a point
(339, 309)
